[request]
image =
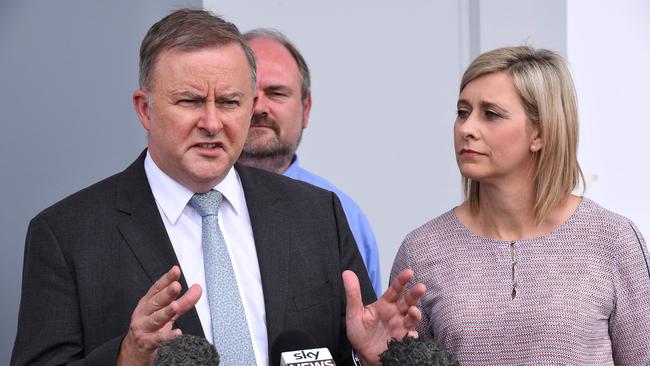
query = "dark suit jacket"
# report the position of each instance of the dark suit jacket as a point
(92, 256)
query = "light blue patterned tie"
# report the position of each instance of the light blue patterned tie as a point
(229, 327)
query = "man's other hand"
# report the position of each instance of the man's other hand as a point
(153, 318)
(394, 315)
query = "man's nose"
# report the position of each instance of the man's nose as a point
(210, 120)
(262, 104)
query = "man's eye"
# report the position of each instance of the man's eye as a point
(277, 94)
(232, 103)
(187, 102)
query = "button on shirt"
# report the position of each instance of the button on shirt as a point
(183, 225)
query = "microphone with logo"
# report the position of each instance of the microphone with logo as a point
(186, 350)
(297, 348)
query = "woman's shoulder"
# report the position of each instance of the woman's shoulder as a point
(592, 214)
(601, 222)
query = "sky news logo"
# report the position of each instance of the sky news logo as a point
(308, 357)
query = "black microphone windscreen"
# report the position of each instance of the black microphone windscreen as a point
(186, 350)
(416, 351)
(290, 340)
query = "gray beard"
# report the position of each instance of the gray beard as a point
(273, 157)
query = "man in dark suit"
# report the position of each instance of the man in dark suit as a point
(90, 258)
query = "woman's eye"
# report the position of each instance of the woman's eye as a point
(462, 113)
(492, 115)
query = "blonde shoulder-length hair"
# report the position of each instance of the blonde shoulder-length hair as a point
(547, 93)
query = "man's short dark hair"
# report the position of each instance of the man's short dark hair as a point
(188, 29)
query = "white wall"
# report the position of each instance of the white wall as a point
(609, 53)
(537, 23)
(385, 76)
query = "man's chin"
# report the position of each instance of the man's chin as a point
(274, 161)
(208, 170)
(261, 148)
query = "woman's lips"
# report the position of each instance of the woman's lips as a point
(470, 152)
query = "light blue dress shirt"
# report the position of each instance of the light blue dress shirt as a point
(357, 221)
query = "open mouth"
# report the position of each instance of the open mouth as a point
(207, 146)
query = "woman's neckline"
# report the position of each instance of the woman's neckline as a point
(583, 202)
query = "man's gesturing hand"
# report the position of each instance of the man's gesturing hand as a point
(152, 319)
(394, 315)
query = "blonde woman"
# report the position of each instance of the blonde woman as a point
(523, 271)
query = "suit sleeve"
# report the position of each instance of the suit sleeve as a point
(49, 321)
(350, 259)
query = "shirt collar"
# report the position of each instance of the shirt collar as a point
(172, 197)
(293, 168)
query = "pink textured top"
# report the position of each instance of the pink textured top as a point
(578, 295)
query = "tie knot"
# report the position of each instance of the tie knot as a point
(207, 203)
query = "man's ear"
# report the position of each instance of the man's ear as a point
(306, 108)
(141, 104)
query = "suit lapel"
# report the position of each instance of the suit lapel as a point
(272, 242)
(145, 233)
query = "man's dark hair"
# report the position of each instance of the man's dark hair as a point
(415, 352)
(188, 29)
(275, 35)
(186, 350)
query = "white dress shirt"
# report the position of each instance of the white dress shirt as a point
(183, 224)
